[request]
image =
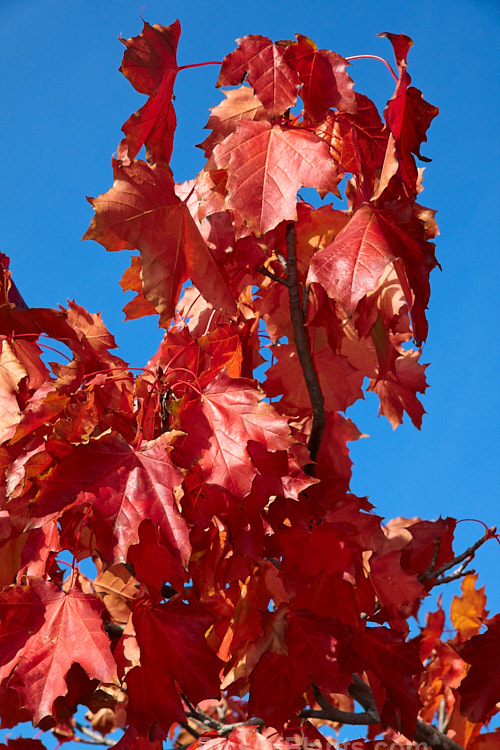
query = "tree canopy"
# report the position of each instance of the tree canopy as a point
(243, 595)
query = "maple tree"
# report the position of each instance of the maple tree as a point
(243, 596)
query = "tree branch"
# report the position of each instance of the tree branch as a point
(207, 721)
(434, 738)
(455, 576)
(270, 275)
(465, 558)
(336, 714)
(361, 692)
(297, 318)
(190, 729)
(94, 738)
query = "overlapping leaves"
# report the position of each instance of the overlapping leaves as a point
(228, 561)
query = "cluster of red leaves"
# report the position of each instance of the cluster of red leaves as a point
(225, 564)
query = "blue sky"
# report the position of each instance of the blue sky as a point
(64, 102)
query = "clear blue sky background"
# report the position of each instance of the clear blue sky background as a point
(64, 102)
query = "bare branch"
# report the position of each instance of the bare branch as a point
(190, 729)
(264, 271)
(362, 693)
(454, 576)
(302, 345)
(91, 737)
(341, 717)
(305, 298)
(443, 717)
(465, 558)
(228, 728)
(435, 554)
(331, 713)
(434, 738)
(207, 721)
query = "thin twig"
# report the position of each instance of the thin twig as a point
(302, 345)
(271, 275)
(435, 554)
(190, 729)
(223, 729)
(443, 717)
(228, 728)
(95, 738)
(455, 576)
(466, 557)
(330, 713)
(338, 716)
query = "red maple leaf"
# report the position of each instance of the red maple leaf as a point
(171, 637)
(9, 293)
(269, 73)
(357, 141)
(24, 743)
(153, 700)
(124, 486)
(408, 232)
(324, 80)
(241, 738)
(239, 104)
(20, 611)
(142, 211)
(420, 553)
(131, 282)
(408, 117)
(11, 374)
(333, 459)
(401, 44)
(353, 263)
(395, 587)
(262, 185)
(152, 561)
(313, 645)
(219, 424)
(430, 635)
(480, 690)
(72, 631)
(276, 675)
(398, 391)
(149, 63)
(306, 555)
(391, 664)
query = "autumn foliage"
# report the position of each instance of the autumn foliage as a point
(242, 595)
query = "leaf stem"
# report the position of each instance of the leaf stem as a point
(199, 65)
(53, 349)
(77, 542)
(178, 354)
(297, 318)
(374, 57)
